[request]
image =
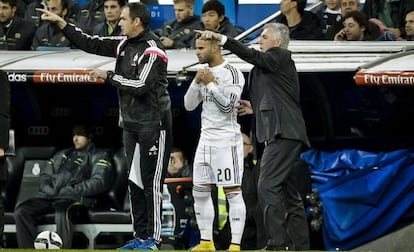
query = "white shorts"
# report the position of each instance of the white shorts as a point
(222, 166)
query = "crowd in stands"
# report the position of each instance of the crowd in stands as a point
(21, 27)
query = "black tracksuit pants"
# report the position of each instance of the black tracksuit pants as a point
(147, 155)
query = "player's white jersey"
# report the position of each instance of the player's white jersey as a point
(219, 125)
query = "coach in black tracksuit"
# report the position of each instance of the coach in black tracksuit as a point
(145, 113)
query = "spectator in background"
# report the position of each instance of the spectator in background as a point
(49, 35)
(112, 10)
(373, 29)
(279, 123)
(303, 25)
(34, 16)
(331, 16)
(68, 184)
(346, 6)
(91, 14)
(178, 166)
(390, 13)
(219, 156)
(4, 137)
(214, 18)
(350, 5)
(15, 33)
(356, 28)
(409, 25)
(179, 33)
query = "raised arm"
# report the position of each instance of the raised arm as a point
(104, 46)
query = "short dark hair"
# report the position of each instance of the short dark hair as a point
(82, 130)
(187, 2)
(358, 16)
(121, 3)
(12, 3)
(64, 4)
(178, 149)
(301, 4)
(198, 36)
(214, 5)
(139, 10)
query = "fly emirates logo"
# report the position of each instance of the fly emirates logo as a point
(70, 77)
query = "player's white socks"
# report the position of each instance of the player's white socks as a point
(204, 211)
(237, 215)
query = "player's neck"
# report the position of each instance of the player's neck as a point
(215, 62)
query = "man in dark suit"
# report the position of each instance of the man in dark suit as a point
(4, 136)
(274, 96)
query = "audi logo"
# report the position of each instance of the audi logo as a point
(60, 112)
(38, 131)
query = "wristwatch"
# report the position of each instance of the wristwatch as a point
(109, 75)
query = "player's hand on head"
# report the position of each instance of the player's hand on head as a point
(208, 34)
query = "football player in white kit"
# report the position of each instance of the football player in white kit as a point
(219, 155)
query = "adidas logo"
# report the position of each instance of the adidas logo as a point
(153, 151)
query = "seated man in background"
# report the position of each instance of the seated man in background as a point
(49, 34)
(179, 33)
(409, 25)
(178, 166)
(331, 16)
(30, 13)
(302, 24)
(357, 28)
(112, 11)
(71, 181)
(214, 19)
(15, 33)
(389, 14)
(90, 15)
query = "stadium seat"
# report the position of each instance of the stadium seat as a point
(112, 216)
(23, 174)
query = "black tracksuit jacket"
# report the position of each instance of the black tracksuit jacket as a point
(143, 95)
